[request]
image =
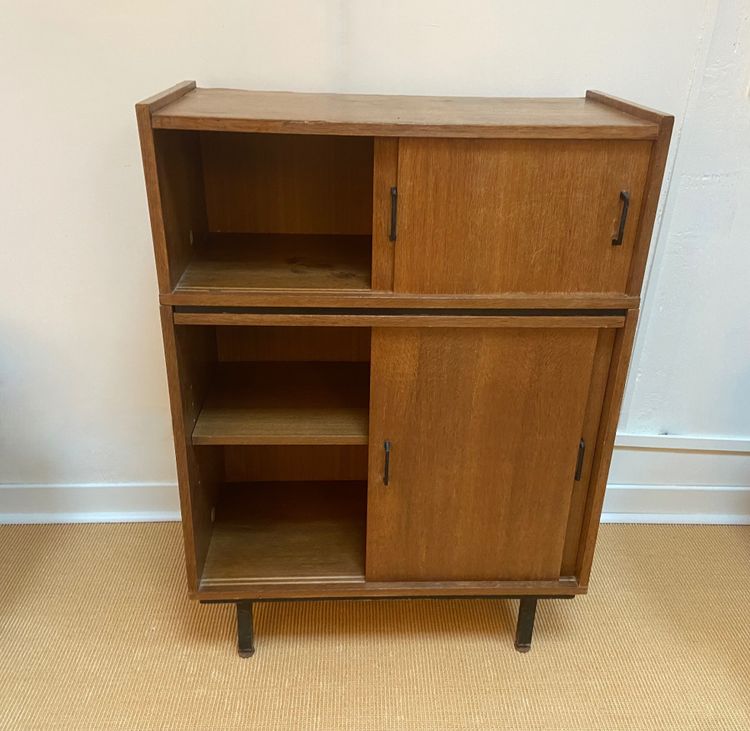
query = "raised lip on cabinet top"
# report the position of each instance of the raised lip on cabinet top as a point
(595, 116)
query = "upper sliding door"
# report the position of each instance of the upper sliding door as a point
(489, 216)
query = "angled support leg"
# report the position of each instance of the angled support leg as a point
(245, 644)
(525, 626)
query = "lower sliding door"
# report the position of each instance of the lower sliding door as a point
(474, 440)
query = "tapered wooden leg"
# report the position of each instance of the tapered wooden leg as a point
(245, 645)
(525, 626)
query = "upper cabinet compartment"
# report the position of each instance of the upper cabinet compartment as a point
(330, 200)
(489, 216)
(248, 212)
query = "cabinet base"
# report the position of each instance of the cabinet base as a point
(246, 636)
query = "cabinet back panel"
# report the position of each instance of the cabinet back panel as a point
(288, 184)
(269, 343)
(278, 463)
(484, 427)
(489, 216)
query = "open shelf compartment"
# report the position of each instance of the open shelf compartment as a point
(278, 261)
(256, 212)
(278, 385)
(278, 437)
(287, 532)
(285, 403)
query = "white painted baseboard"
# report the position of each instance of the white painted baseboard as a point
(89, 503)
(674, 479)
(654, 479)
(709, 504)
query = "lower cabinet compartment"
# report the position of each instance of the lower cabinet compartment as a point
(286, 532)
(366, 461)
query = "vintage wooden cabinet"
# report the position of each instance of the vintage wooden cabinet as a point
(397, 331)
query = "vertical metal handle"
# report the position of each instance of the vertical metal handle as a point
(394, 213)
(625, 198)
(387, 468)
(579, 463)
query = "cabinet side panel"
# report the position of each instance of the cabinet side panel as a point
(180, 179)
(189, 353)
(617, 376)
(657, 166)
(385, 177)
(602, 360)
(148, 154)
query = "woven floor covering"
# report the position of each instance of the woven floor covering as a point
(96, 633)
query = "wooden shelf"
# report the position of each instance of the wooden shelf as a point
(241, 262)
(286, 403)
(287, 532)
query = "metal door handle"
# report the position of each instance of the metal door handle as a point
(387, 468)
(625, 198)
(579, 461)
(394, 213)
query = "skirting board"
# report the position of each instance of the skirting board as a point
(654, 479)
(676, 479)
(89, 503)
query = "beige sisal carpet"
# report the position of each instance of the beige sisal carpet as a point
(96, 633)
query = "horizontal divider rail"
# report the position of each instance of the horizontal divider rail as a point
(399, 317)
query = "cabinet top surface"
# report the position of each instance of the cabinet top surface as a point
(234, 110)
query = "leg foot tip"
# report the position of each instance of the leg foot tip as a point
(246, 653)
(522, 648)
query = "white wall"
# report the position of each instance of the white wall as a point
(82, 385)
(691, 372)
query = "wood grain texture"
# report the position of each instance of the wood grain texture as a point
(605, 441)
(242, 262)
(422, 116)
(484, 427)
(385, 176)
(288, 184)
(188, 353)
(183, 207)
(387, 319)
(287, 532)
(143, 111)
(597, 387)
(156, 219)
(510, 215)
(285, 403)
(295, 463)
(657, 167)
(342, 344)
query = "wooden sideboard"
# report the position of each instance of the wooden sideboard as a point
(397, 331)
